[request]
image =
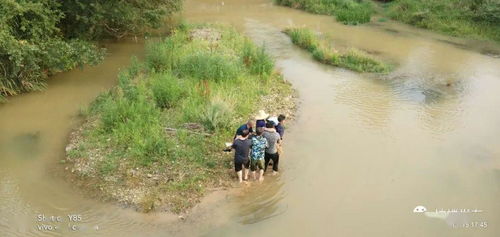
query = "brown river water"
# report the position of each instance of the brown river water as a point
(364, 151)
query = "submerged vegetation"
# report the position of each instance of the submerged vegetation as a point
(350, 12)
(155, 141)
(322, 51)
(41, 37)
(469, 18)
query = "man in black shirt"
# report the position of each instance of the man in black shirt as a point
(241, 146)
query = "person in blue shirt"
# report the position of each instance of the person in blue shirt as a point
(280, 128)
(248, 126)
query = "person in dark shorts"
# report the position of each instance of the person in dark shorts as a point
(241, 146)
(259, 145)
(273, 138)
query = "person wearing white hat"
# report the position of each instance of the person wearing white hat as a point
(273, 119)
(261, 119)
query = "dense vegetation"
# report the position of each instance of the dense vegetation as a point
(201, 82)
(41, 37)
(351, 12)
(478, 19)
(470, 18)
(322, 51)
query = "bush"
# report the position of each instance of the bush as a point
(160, 57)
(303, 38)
(350, 12)
(354, 14)
(96, 19)
(167, 90)
(486, 11)
(41, 37)
(217, 114)
(471, 18)
(31, 48)
(256, 59)
(360, 62)
(134, 126)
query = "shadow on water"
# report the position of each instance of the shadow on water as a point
(25, 146)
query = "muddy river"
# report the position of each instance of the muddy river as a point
(364, 151)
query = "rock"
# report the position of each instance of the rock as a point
(69, 147)
(208, 34)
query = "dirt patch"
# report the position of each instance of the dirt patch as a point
(208, 34)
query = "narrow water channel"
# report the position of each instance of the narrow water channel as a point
(364, 151)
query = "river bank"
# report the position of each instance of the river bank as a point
(476, 20)
(155, 141)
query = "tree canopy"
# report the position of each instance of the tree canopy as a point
(41, 37)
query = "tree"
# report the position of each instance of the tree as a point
(42, 37)
(32, 47)
(95, 19)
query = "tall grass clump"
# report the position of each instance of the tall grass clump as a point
(354, 13)
(216, 114)
(161, 57)
(350, 12)
(134, 127)
(303, 38)
(469, 18)
(170, 116)
(322, 51)
(256, 59)
(209, 66)
(167, 90)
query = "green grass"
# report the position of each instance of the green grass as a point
(184, 80)
(322, 51)
(468, 18)
(476, 19)
(350, 12)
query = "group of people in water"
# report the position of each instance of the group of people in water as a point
(256, 144)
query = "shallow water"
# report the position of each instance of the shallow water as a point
(363, 152)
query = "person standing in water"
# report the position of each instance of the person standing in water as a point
(273, 138)
(241, 146)
(280, 127)
(259, 145)
(261, 119)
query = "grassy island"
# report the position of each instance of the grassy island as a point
(322, 51)
(155, 141)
